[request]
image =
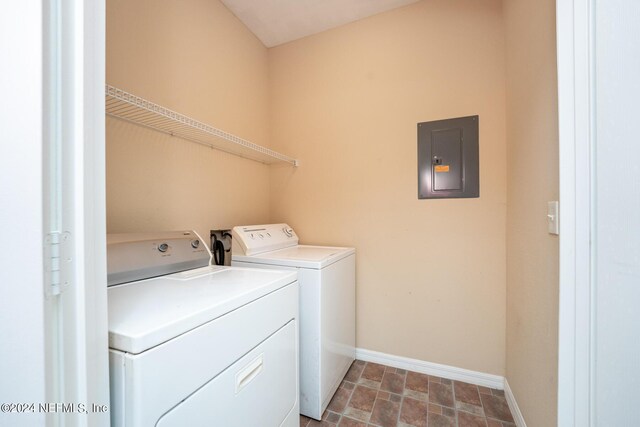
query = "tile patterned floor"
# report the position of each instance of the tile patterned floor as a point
(382, 396)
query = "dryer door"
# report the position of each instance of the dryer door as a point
(260, 389)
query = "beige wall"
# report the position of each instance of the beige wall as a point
(195, 57)
(532, 177)
(431, 274)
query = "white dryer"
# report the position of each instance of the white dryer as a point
(197, 345)
(326, 276)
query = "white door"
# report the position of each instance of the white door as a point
(599, 91)
(616, 213)
(22, 367)
(53, 320)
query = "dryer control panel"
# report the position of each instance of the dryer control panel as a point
(256, 239)
(137, 256)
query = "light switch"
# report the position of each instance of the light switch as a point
(552, 218)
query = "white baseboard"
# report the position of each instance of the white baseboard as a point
(446, 371)
(435, 369)
(513, 405)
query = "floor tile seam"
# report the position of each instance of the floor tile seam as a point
(468, 412)
(426, 402)
(485, 412)
(353, 392)
(498, 420)
(400, 407)
(401, 403)
(374, 404)
(455, 401)
(482, 402)
(486, 423)
(339, 416)
(376, 399)
(346, 405)
(352, 419)
(377, 393)
(455, 404)
(452, 397)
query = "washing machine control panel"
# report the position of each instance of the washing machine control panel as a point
(255, 239)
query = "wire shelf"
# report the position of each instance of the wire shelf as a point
(132, 108)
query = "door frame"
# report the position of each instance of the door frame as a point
(575, 33)
(75, 210)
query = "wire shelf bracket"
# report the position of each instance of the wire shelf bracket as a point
(131, 108)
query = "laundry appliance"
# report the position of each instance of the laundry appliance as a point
(198, 345)
(326, 276)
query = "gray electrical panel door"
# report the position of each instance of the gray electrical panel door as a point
(448, 158)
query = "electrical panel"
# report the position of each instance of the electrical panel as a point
(448, 157)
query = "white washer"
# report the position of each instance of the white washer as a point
(200, 347)
(326, 276)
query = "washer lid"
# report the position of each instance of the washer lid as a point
(304, 256)
(149, 312)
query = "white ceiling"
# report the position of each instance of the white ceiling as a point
(276, 22)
